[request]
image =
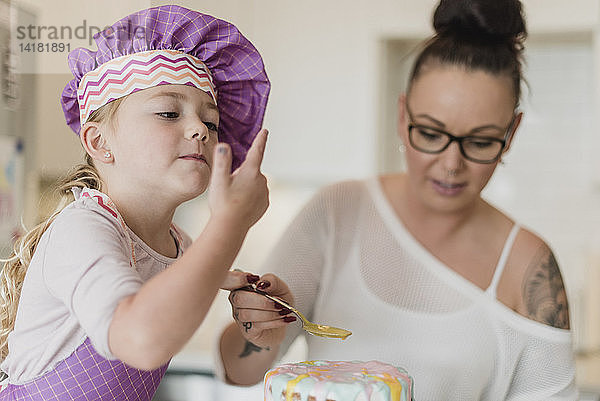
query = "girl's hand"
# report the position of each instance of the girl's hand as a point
(260, 320)
(241, 197)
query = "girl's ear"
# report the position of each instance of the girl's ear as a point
(95, 143)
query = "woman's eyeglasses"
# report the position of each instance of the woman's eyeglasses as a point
(478, 149)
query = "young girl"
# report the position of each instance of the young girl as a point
(89, 308)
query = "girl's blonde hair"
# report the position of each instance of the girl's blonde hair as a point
(15, 267)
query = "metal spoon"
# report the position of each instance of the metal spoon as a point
(320, 330)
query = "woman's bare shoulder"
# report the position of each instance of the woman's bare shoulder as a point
(536, 282)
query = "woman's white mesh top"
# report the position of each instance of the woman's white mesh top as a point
(351, 263)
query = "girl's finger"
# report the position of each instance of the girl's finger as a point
(256, 152)
(221, 168)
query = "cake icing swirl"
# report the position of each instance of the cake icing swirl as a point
(337, 381)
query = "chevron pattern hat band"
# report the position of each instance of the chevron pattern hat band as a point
(171, 44)
(133, 72)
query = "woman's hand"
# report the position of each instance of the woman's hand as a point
(261, 321)
(242, 197)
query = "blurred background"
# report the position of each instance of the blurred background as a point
(337, 68)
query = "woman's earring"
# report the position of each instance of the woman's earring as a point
(402, 148)
(107, 155)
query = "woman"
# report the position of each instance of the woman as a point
(427, 274)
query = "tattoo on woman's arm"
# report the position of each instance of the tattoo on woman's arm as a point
(249, 348)
(544, 291)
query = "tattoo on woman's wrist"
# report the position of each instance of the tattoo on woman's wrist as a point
(249, 348)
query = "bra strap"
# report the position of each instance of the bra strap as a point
(503, 258)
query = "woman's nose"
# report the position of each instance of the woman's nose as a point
(452, 157)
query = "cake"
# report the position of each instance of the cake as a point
(337, 381)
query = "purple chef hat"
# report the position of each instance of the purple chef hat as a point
(172, 44)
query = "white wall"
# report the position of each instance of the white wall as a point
(73, 14)
(322, 58)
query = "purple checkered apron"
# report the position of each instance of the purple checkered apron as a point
(85, 375)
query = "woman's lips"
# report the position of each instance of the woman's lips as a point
(447, 188)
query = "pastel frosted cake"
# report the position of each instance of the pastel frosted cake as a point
(337, 381)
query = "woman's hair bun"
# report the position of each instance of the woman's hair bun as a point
(496, 20)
